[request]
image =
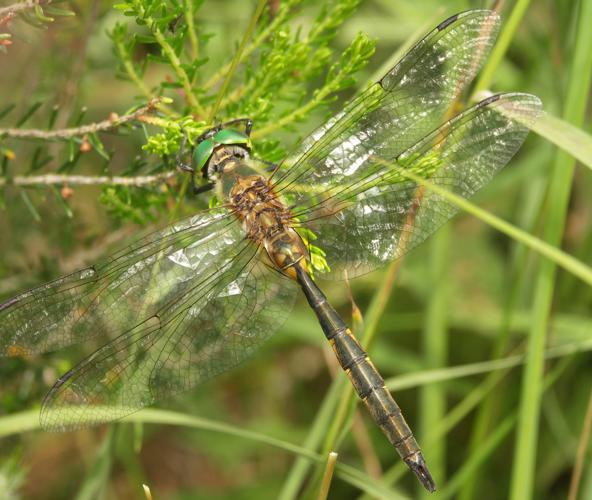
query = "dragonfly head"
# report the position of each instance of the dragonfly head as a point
(221, 152)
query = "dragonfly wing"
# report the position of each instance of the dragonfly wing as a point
(117, 293)
(409, 102)
(362, 225)
(237, 303)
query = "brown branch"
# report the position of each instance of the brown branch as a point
(85, 180)
(10, 10)
(108, 124)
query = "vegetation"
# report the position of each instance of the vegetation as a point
(484, 335)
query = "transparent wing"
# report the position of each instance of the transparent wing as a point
(362, 225)
(409, 102)
(114, 295)
(238, 302)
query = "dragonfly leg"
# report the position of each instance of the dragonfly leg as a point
(179, 161)
(247, 121)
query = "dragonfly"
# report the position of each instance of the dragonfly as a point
(190, 301)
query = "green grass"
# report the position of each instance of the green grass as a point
(560, 182)
(436, 344)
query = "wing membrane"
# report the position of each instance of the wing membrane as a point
(409, 102)
(237, 304)
(364, 224)
(116, 294)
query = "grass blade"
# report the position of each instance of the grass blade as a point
(28, 421)
(297, 475)
(96, 479)
(563, 134)
(435, 347)
(236, 59)
(523, 471)
(327, 476)
(501, 47)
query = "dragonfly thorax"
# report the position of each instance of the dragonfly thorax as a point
(267, 221)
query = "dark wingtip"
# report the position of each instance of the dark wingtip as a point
(417, 464)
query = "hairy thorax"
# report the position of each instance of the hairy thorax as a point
(268, 222)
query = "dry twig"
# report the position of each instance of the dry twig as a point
(86, 180)
(110, 123)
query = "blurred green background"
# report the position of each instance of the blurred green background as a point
(469, 296)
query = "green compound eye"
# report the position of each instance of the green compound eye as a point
(203, 153)
(229, 136)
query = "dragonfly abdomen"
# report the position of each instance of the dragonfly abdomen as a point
(366, 380)
(371, 389)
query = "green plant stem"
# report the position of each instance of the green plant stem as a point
(297, 475)
(193, 42)
(435, 347)
(327, 476)
(295, 115)
(97, 477)
(411, 380)
(28, 421)
(30, 206)
(259, 39)
(572, 140)
(468, 470)
(501, 46)
(170, 54)
(236, 94)
(341, 415)
(495, 439)
(559, 190)
(532, 199)
(128, 65)
(176, 65)
(237, 58)
(248, 50)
